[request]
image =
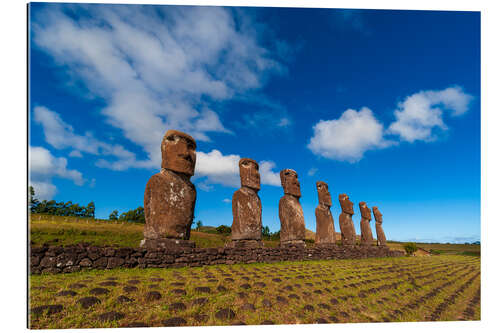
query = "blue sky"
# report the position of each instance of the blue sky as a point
(381, 105)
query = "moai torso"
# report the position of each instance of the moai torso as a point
(381, 241)
(247, 208)
(366, 231)
(345, 221)
(293, 228)
(325, 229)
(170, 197)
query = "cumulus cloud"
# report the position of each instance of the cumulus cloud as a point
(216, 168)
(421, 114)
(43, 166)
(349, 137)
(156, 67)
(227, 200)
(418, 117)
(267, 175)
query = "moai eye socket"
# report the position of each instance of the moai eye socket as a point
(287, 173)
(171, 138)
(190, 146)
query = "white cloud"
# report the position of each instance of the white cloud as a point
(267, 176)
(44, 190)
(156, 67)
(61, 135)
(312, 172)
(421, 114)
(216, 168)
(43, 166)
(417, 118)
(75, 153)
(227, 200)
(349, 137)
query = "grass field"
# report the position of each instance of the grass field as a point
(445, 287)
(57, 230)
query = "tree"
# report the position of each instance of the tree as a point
(223, 229)
(266, 232)
(113, 216)
(90, 210)
(134, 215)
(410, 248)
(199, 224)
(32, 202)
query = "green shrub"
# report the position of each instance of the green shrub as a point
(435, 252)
(223, 229)
(410, 248)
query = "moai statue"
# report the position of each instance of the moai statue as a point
(293, 228)
(246, 230)
(381, 241)
(170, 196)
(345, 220)
(366, 231)
(325, 230)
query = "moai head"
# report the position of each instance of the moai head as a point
(178, 152)
(249, 173)
(346, 204)
(323, 194)
(290, 182)
(377, 214)
(365, 211)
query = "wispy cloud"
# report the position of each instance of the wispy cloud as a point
(352, 19)
(156, 67)
(312, 172)
(61, 135)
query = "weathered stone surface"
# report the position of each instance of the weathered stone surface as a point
(167, 258)
(325, 230)
(167, 243)
(170, 197)
(345, 221)
(381, 240)
(366, 230)
(247, 207)
(293, 228)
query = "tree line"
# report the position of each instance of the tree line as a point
(51, 207)
(134, 215)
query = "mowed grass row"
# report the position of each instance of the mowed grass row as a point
(366, 290)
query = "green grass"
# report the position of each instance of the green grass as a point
(355, 286)
(58, 230)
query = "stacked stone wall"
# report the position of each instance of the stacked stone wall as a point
(67, 259)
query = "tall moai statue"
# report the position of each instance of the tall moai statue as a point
(366, 231)
(325, 230)
(381, 241)
(345, 221)
(246, 230)
(170, 196)
(293, 228)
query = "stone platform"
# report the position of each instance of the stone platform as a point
(167, 243)
(59, 259)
